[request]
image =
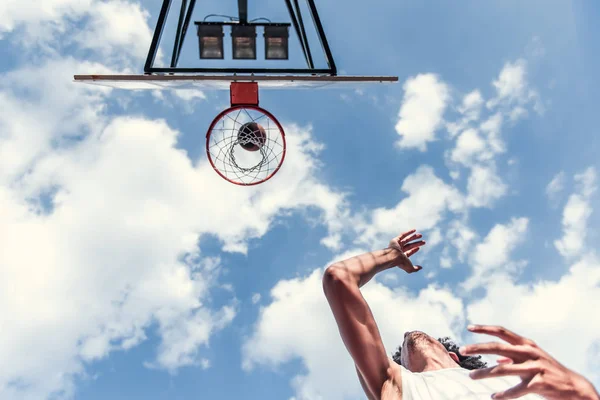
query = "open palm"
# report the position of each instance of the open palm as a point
(407, 244)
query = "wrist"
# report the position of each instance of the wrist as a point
(362, 268)
(393, 258)
(585, 390)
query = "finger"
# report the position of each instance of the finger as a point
(513, 352)
(412, 251)
(416, 268)
(514, 392)
(522, 370)
(499, 332)
(503, 360)
(405, 234)
(411, 246)
(411, 238)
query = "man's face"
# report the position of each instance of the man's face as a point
(417, 347)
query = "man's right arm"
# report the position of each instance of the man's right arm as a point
(540, 373)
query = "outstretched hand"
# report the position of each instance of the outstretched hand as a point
(540, 373)
(407, 245)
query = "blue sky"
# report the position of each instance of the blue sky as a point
(130, 270)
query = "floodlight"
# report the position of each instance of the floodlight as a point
(243, 42)
(210, 37)
(276, 42)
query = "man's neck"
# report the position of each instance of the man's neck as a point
(431, 364)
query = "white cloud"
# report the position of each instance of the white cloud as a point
(461, 237)
(491, 257)
(517, 113)
(535, 48)
(556, 185)
(14, 12)
(57, 112)
(471, 105)
(511, 82)
(430, 275)
(391, 279)
(99, 223)
(484, 187)
(512, 90)
(117, 29)
(105, 261)
(479, 146)
(559, 316)
(586, 182)
(205, 363)
(333, 242)
(445, 262)
(556, 314)
(492, 128)
(184, 332)
(429, 199)
(190, 94)
(576, 214)
(478, 143)
(433, 239)
(422, 110)
(301, 303)
(256, 298)
(469, 146)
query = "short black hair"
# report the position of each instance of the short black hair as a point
(467, 362)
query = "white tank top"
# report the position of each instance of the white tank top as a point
(454, 384)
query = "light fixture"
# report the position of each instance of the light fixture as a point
(211, 40)
(243, 42)
(276, 42)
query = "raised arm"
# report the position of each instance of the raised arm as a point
(353, 316)
(364, 385)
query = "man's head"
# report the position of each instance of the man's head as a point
(420, 352)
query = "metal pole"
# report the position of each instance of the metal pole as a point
(304, 37)
(185, 27)
(243, 11)
(322, 37)
(296, 28)
(178, 34)
(160, 24)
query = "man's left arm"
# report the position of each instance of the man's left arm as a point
(364, 385)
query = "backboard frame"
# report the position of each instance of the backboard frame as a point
(217, 82)
(184, 19)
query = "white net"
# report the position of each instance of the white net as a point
(246, 145)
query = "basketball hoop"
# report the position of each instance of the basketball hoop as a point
(245, 144)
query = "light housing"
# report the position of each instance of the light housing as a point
(276, 42)
(210, 37)
(243, 42)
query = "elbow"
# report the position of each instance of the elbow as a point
(333, 273)
(334, 277)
